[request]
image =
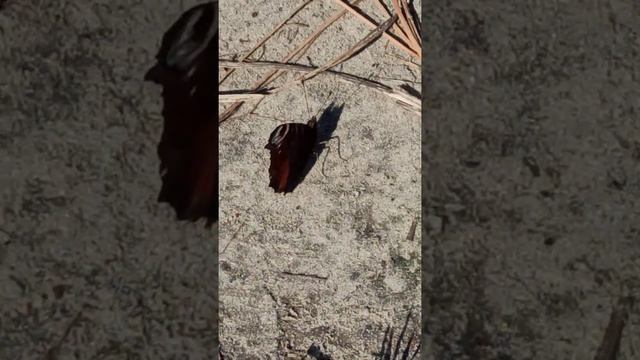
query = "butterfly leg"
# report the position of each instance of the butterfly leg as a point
(324, 161)
(304, 89)
(337, 138)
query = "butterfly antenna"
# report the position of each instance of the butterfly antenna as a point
(306, 100)
(328, 147)
(324, 161)
(339, 154)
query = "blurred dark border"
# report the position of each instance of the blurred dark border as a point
(530, 166)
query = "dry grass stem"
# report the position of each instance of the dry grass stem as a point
(404, 98)
(235, 97)
(398, 31)
(296, 53)
(412, 230)
(356, 49)
(267, 37)
(360, 46)
(349, 78)
(408, 23)
(397, 42)
(402, 20)
(608, 349)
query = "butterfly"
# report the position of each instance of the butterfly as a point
(186, 68)
(290, 146)
(294, 147)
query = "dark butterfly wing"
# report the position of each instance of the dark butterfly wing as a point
(188, 151)
(290, 146)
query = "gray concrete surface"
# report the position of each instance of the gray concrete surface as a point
(531, 177)
(91, 265)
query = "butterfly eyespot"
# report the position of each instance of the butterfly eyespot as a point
(280, 133)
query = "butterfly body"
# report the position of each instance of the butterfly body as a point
(290, 146)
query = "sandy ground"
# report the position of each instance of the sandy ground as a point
(531, 186)
(85, 249)
(350, 227)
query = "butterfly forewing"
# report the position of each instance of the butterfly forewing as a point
(290, 145)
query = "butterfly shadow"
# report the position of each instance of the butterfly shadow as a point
(186, 69)
(326, 125)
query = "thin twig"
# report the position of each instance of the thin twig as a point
(235, 97)
(412, 231)
(267, 37)
(52, 353)
(407, 14)
(400, 8)
(399, 32)
(349, 78)
(356, 49)
(320, 277)
(404, 98)
(235, 235)
(293, 55)
(415, 23)
(608, 349)
(390, 37)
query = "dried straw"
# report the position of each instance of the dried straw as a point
(356, 49)
(267, 37)
(398, 30)
(407, 23)
(407, 39)
(405, 99)
(293, 55)
(397, 42)
(239, 96)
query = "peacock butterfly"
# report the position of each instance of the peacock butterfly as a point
(290, 146)
(294, 147)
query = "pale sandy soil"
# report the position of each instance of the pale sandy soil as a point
(349, 227)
